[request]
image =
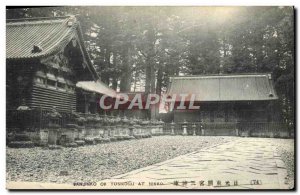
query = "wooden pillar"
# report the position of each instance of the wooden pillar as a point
(86, 104)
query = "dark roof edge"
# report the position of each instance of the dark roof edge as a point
(228, 74)
(86, 54)
(228, 101)
(220, 75)
(36, 19)
(77, 26)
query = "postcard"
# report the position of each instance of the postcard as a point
(150, 98)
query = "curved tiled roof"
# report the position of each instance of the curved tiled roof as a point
(224, 87)
(97, 87)
(49, 35)
(41, 37)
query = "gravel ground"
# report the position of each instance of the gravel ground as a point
(102, 161)
(285, 148)
(97, 162)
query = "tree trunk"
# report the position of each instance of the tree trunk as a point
(114, 83)
(106, 64)
(159, 80)
(135, 78)
(125, 83)
(114, 77)
(152, 91)
(148, 76)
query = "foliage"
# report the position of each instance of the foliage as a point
(139, 48)
(53, 114)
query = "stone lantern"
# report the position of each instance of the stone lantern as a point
(152, 127)
(101, 126)
(118, 126)
(71, 133)
(137, 128)
(106, 127)
(124, 128)
(202, 129)
(53, 125)
(161, 127)
(131, 128)
(111, 126)
(53, 117)
(146, 128)
(23, 111)
(172, 128)
(81, 128)
(90, 124)
(184, 127)
(236, 131)
(97, 128)
(194, 129)
(156, 126)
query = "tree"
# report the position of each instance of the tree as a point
(142, 47)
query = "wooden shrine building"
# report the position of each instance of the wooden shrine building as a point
(45, 59)
(229, 104)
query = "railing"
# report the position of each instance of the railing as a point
(277, 129)
(32, 120)
(198, 126)
(36, 119)
(263, 128)
(93, 115)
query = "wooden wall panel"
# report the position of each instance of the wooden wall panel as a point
(47, 98)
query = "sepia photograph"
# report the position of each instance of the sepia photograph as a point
(150, 98)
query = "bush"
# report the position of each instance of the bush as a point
(131, 137)
(113, 139)
(22, 137)
(147, 135)
(9, 139)
(106, 140)
(98, 140)
(80, 120)
(137, 136)
(89, 141)
(126, 137)
(80, 142)
(21, 144)
(119, 137)
(41, 144)
(71, 125)
(54, 147)
(71, 145)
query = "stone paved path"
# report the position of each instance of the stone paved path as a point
(249, 163)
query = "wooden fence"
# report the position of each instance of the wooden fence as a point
(277, 129)
(264, 129)
(32, 120)
(36, 119)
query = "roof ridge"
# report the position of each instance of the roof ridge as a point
(226, 74)
(225, 88)
(33, 23)
(56, 36)
(219, 76)
(39, 21)
(38, 18)
(49, 35)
